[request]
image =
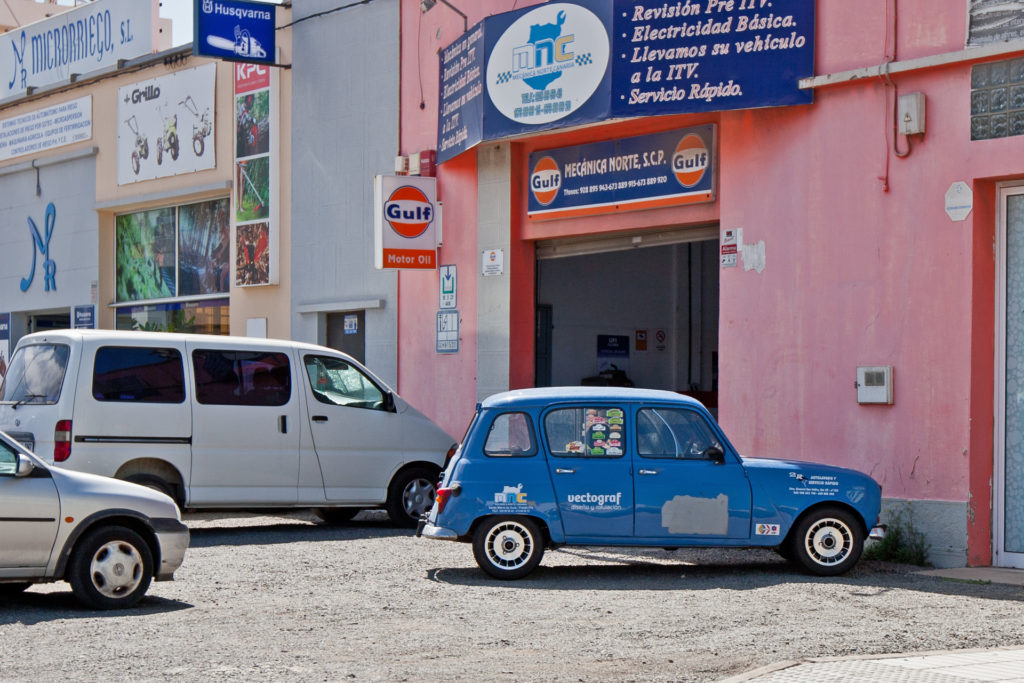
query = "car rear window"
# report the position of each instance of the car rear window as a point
(586, 432)
(511, 435)
(242, 378)
(36, 374)
(138, 374)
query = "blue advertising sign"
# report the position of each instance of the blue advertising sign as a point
(234, 30)
(710, 56)
(643, 172)
(564, 63)
(83, 317)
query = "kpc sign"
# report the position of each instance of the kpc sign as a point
(406, 222)
(78, 41)
(234, 30)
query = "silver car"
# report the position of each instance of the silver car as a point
(105, 537)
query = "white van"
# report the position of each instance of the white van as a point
(224, 422)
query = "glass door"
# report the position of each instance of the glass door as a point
(1008, 474)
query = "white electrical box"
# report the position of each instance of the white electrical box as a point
(874, 384)
(910, 113)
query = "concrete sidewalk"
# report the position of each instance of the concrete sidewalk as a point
(1003, 665)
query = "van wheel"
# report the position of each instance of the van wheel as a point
(508, 547)
(411, 495)
(151, 481)
(334, 516)
(110, 568)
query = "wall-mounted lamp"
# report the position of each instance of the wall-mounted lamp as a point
(427, 5)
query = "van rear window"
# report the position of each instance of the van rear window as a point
(36, 374)
(242, 378)
(138, 374)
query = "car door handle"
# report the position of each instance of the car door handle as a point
(648, 471)
(319, 418)
(562, 470)
(283, 424)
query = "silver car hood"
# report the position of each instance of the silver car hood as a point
(78, 490)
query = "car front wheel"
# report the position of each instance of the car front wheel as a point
(110, 568)
(508, 547)
(828, 542)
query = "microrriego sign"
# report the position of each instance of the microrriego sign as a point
(234, 30)
(549, 66)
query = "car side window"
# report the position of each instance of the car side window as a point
(138, 375)
(511, 435)
(242, 378)
(673, 433)
(336, 382)
(586, 432)
(8, 459)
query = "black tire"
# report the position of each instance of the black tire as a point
(135, 162)
(411, 494)
(335, 516)
(152, 481)
(828, 541)
(508, 547)
(198, 145)
(172, 146)
(10, 589)
(111, 567)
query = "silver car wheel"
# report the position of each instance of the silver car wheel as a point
(418, 497)
(116, 569)
(829, 541)
(509, 545)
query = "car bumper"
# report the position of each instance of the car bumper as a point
(438, 533)
(173, 538)
(878, 532)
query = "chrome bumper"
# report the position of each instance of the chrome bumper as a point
(438, 533)
(878, 532)
(173, 538)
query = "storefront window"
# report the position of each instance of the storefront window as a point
(174, 253)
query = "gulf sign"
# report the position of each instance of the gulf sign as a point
(671, 168)
(406, 222)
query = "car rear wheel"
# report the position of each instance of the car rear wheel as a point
(411, 495)
(110, 568)
(508, 547)
(828, 541)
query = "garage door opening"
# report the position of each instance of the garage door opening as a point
(617, 311)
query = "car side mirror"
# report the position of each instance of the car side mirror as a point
(389, 403)
(25, 466)
(715, 454)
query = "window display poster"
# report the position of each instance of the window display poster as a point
(612, 352)
(144, 260)
(204, 243)
(252, 258)
(5, 342)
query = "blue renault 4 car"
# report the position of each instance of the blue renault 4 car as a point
(611, 466)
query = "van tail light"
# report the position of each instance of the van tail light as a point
(62, 441)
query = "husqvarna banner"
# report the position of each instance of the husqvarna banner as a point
(644, 172)
(81, 40)
(564, 63)
(405, 226)
(165, 125)
(234, 30)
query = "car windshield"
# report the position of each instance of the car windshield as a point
(35, 375)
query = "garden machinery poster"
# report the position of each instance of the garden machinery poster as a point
(165, 125)
(256, 207)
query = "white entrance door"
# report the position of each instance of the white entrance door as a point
(1008, 479)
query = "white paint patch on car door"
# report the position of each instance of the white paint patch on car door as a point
(689, 515)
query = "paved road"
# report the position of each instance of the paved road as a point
(285, 598)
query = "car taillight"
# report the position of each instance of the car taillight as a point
(62, 440)
(449, 455)
(441, 497)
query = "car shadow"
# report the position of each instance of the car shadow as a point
(35, 606)
(612, 571)
(292, 532)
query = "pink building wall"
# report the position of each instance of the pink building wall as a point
(862, 264)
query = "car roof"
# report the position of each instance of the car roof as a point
(165, 337)
(549, 395)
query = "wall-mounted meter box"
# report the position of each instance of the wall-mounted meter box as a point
(874, 384)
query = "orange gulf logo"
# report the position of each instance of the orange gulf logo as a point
(408, 211)
(690, 160)
(545, 180)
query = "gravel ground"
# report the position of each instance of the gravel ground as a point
(285, 598)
